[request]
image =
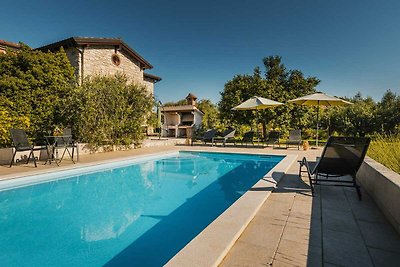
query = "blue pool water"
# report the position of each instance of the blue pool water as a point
(136, 215)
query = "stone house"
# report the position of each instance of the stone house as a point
(180, 121)
(105, 56)
(5, 45)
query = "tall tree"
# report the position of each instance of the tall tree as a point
(388, 115)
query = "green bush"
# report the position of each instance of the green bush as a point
(33, 88)
(386, 150)
(109, 110)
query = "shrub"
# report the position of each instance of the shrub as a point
(386, 150)
(33, 87)
(109, 110)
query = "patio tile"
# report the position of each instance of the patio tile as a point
(334, 198)
(299, 220)
(366, 209)
(327, 264)
(302, 206)
(263, 233)
(314, 257)
(384, 258)
(380, 235)
(315, 238)
(342, 221)
(292, 253)
(345, 249)
(245, 254)
(297, 234)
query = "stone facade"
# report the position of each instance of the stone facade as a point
(105, 56)
(98, 61)
(5, 45)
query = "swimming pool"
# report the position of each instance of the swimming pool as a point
(139, 212)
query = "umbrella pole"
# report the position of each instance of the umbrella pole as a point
(317, 123)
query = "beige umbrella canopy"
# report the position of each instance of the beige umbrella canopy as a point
(257, 102)
(319, 99)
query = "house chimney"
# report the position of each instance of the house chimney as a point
(191, 99)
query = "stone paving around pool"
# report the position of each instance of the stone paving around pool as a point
(333, 228)
(292, 228)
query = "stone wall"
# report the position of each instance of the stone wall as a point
(383, 185)
(74, 58)
(97, 61)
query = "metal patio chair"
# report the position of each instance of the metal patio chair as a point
(22, 144)
(342, 156)
(294, 139)
(273, 138)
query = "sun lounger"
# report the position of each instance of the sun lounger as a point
(247, 138)
(207, 137)
(341, 156)
(227, 135)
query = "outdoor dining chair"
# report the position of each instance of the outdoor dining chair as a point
(294, 139)
(273, 138)
(67, 142)
(22, 144)
(340, 159)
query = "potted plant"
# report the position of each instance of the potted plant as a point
(306, 145)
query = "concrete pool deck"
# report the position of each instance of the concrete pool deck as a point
(291, 228)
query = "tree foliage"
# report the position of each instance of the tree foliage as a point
(211, 115)
(33, 89)
(278, 84)
(109, 110)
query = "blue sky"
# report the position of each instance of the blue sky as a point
(196, 46)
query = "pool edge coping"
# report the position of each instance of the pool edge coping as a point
(211, 245)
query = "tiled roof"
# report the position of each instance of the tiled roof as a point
(89, 41)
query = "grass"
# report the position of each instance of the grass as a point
(386, 150)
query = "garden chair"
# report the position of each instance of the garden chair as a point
(294, 139)
(225, 136)
(22, 144)
(207, 137)
(248, 137)
(273, 138)
(67, 142)
(342, 156)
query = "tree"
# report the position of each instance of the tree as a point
(109, 109)
(33, 88)
(211, 115)
(387, 113)
(279, 85)
(355, 120)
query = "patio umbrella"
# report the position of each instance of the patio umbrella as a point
(257, 103)
(159, 123)
(319, 99)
